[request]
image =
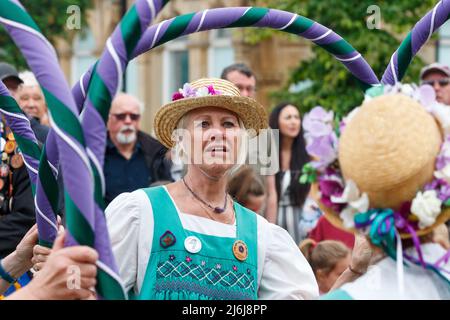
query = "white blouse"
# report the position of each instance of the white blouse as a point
(381, 280)
(283, 272)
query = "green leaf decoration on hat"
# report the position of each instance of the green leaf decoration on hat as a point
(375, 91)
(309, 174)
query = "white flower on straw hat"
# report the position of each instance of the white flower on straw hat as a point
(426, 206)
(356, 203)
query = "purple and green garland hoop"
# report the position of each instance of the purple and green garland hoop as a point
(414, 41)
(45, 217)
(69, 136)
(236, 17)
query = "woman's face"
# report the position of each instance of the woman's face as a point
(289, 122)
(214, 138)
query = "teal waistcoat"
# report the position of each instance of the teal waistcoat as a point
(174, 273)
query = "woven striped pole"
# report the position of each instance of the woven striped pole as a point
(414, 41)
(120, 45)
(23, 134)
(20, 125)
(31, 152)
(76, 168)
(106, 81)
(261, 17)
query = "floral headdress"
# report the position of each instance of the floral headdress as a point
(322, 132)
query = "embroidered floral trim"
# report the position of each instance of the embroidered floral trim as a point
(189, 288)
(208, 276)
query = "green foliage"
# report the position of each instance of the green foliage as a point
(51, 17)
(333, 87)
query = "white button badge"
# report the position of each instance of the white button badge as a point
(193, 244)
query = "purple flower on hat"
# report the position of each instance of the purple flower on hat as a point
(402, 218)
(442, 188)
(426, 95)
(324, 149)
(330, 185)
(441, 162)
(321, 140)
(188, 91)
(318, 122)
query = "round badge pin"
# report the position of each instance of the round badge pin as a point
(4, 170)
(240, 250)
(4, 156)
(16, 161)
(192, 244)
(10, 146)
(10, 136)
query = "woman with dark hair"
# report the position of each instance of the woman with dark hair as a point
(286, 195)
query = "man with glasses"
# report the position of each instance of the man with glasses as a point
(133, 159)
(438, 76)
(242, 77)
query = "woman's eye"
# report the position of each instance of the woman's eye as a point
(204, 124)
(228, 124)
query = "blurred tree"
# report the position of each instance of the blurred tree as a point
(329, 83)
(52, 18)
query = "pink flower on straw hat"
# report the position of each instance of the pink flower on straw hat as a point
(177, 96)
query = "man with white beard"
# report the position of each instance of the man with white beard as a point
(133, 159)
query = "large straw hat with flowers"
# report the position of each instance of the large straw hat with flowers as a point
(387, 154)
(208, 92)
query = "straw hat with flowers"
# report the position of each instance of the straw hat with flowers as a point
(207, 92)
(386, 168)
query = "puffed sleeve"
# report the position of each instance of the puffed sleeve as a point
(123, 220)
(286, 274)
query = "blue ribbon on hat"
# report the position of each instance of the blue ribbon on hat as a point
(382, 231)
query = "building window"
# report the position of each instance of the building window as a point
(83, 56)
(220, 52)
(132, 79)
(175, 67)
(443, 52)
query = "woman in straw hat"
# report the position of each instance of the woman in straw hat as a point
(189, 240)
(391, 183)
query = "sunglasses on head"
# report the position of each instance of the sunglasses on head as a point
(123, 116)
(442, 82)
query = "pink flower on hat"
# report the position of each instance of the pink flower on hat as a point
(177, 96)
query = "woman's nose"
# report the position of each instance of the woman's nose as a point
(216, 133)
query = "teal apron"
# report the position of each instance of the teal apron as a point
(174, 273)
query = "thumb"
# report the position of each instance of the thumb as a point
(59, 241)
